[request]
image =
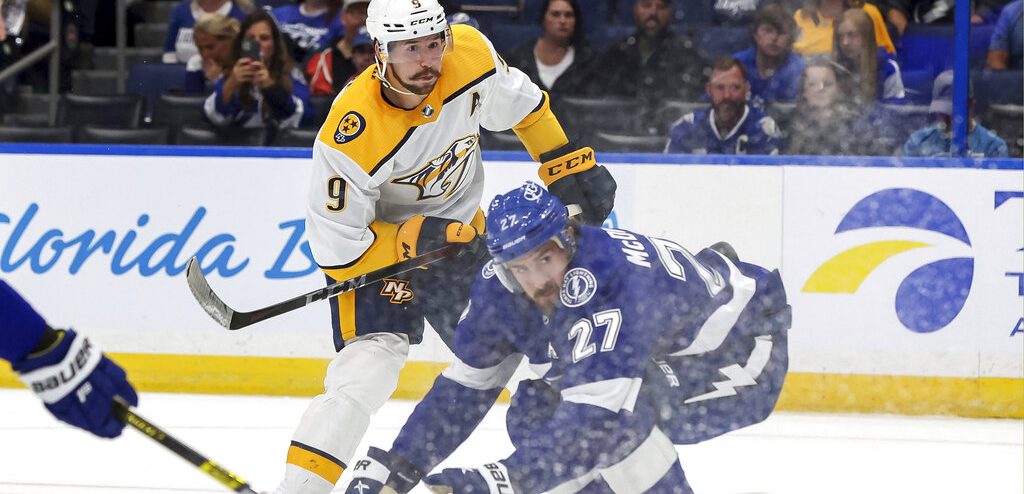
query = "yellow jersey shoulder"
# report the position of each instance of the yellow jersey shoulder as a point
(369, 130)
(469, 61)
(359, 127)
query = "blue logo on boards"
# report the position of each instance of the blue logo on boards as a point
(932, 295)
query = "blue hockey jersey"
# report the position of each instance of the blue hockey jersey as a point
(626, 299)
(695, 133)
(179, 45)
(306, 33)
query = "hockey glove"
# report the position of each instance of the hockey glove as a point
(572, 175)
(421, 234)
(77, 382)
(383, 472)
(491, 478)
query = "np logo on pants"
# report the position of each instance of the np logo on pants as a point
(398, 290)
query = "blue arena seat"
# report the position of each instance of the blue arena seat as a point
(998, 87)
(151, 80)
(608, 35)
(930, 46)
(715, 41)
(506, 37)
(918, 84)
(691, 12)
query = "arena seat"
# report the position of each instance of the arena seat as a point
(91, 134)
(583, 116)
(121, 110)
(715, 41)
(998, 87)
(626, 143)
(205, 135)
(177, 109)
(930, 46)
(35, 134)
(506, 37)
(152, 80)
(658, 120)
(150, 34)
(1007, 121)
(296, 138)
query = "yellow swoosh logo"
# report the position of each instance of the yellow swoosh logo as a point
(845, 272)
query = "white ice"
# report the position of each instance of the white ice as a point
(789, 453)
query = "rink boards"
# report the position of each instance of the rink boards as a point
(906, 277)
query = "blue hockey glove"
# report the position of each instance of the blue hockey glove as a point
(77, 383)
(383, 472)
(491, 478)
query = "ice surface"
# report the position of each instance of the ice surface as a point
(789, 453)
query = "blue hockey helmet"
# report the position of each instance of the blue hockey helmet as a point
(524, 219)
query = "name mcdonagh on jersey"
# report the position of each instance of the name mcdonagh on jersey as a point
(148, 254)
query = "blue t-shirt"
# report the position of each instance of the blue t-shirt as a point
(933, 141)
(179, 30)
(783, 85)
(306, 33)
(695, 133)
(1009, 34)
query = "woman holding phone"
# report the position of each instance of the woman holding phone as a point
(261, 87)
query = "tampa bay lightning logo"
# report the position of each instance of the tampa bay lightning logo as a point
(578, 288)
(931, 296)
(488, 270)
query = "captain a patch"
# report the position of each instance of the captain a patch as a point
(351, 125)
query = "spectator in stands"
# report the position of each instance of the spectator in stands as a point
(825, 111)
(179, 46)
(1006, 51)
(304, 24)
(330, 69)
(654, 63)
(558, 60)
(876, 71)
(773, 70)
(213, 35)
(935, 140)
(902, 12)
(730, 126)
(815, 24)
(261, 88)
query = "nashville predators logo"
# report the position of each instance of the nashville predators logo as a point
(445, 174)
(351, 125)
(398, 290)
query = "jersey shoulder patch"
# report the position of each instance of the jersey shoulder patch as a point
(360, 127)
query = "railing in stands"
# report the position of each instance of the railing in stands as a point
(51, 49)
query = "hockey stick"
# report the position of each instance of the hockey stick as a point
(125, 414)
(232, 319)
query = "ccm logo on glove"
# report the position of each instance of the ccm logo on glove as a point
(577, 161)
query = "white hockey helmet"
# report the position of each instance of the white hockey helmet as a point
(388, 21)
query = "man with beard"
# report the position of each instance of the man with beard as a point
(654, 63)
(730, 126)
(638, 344)
(397, 172)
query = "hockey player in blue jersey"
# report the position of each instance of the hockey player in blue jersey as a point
(640, 345)
(75, 380)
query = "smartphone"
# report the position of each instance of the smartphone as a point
(250, 49)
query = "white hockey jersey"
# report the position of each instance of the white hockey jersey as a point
(376, 165)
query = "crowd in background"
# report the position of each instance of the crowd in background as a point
(831, 64)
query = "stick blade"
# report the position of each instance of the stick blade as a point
(205, 295)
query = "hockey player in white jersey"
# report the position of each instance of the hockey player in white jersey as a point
(398, 172)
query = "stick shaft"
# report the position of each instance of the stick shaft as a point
(232, 319)
(219, 473)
